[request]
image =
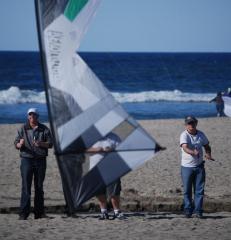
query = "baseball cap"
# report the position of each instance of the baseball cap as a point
(32, 110)
(190, 119)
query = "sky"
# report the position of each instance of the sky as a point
(132, 26)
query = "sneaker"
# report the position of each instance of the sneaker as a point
(188, 215)
(119, 216)
(199, 215)
(104, 216)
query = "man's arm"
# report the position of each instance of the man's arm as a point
(193, 152)
(208, 155)
(98, 149)
(94, 150)
(19, 141)
(213, 100)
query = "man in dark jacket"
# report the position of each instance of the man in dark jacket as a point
(33, 140)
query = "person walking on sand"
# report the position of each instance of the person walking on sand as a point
(219, 104)
(192, 142)
(98, 151)
(33, 140)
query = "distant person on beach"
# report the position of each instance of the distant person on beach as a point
(227, 93)
(33, 140)
(219, 104)
(192, 166)
(98, 151)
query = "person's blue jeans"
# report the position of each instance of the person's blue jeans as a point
(193, 178)
(32, 167)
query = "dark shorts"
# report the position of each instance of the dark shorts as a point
(113, 189)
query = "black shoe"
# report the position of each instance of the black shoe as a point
(72, 215)
(104, 216)
(40, 216)
(22, 217)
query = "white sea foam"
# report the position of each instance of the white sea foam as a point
(151, 96)
(14, 95)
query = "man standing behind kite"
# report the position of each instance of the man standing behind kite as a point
(98, 152)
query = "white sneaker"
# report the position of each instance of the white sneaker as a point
(119, 216)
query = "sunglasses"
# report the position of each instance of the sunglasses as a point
(192, 123)
(32, 114)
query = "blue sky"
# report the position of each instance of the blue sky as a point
(132, 26)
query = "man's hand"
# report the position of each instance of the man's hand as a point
(20, 143)
(108, 149)
(195, 152)
(36, 143)
(209, 157)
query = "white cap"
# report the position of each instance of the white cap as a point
(32, 110)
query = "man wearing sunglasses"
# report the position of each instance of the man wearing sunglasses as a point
(33, 140)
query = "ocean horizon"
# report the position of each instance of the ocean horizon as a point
(148, 85)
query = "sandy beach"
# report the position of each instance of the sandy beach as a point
(137, 226)
(151, 196)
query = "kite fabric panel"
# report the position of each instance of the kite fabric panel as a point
(227, 105)
(82, 112)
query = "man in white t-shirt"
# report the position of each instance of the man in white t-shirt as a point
(98, 151)
(192, 142)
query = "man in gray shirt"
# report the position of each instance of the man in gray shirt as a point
(33, 140)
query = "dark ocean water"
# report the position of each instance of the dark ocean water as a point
(148, 85)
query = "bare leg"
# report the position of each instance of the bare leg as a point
(115, 200)
(102, 201)
(103, 207)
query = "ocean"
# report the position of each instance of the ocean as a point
(148, 85)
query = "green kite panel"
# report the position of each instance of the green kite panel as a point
(73, 8)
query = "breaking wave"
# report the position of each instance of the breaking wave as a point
(152, 96)
(14, 95)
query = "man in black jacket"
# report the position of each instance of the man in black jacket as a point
(33, 140)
